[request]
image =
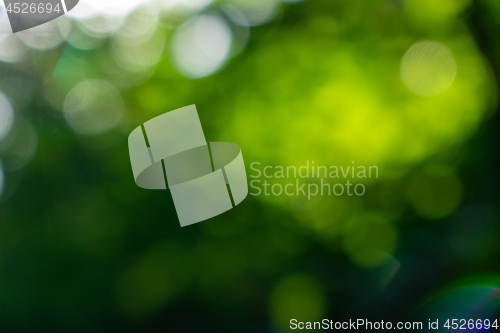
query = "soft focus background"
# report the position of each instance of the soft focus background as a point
(407, 85)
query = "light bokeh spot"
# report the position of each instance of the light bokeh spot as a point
(297, 297)
(188, 4)
(93, 107)
(428, 68)
(252, 13)
(147, 285)
(435, 192)
(6, 116)
(42, 37)
(370, 239)
(19, 145)
(201, 46)
(89, 8)
(2, 179)
(139, 53)
(11, 48)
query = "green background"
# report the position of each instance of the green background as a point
(83, 249)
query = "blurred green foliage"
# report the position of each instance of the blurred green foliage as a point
(83, 249)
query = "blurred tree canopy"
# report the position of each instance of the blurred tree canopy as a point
(406, 85)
